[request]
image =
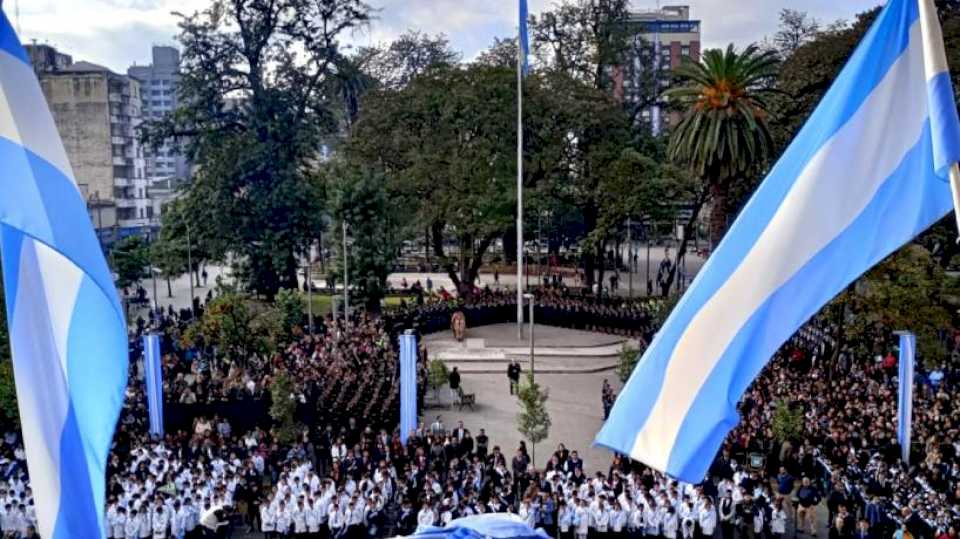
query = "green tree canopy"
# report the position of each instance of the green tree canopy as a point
(256, 106)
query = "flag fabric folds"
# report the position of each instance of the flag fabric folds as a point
(67, 329)
(408, 385)
(908, 354)
(524, 37)
(487, 526)
(153, 379)
(868, 172)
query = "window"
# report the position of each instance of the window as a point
(684, 50)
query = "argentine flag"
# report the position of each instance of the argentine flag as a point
(67, 330)
(869, 171)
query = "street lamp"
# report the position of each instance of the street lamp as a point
(529, 297)
(309, 282)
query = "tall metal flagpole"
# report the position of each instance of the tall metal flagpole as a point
(520, 179)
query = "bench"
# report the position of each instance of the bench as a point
(465, 399)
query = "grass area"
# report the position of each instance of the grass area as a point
(323, 303)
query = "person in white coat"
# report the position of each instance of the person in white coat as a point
(618, 519)
(707, 518)
(335, 520)
(313, 514)
(282, 520)
(268, 521)
(670, 523)
(582, 519)
(778, 519)
(426, 517)
(119, 523)
(298, 514)
(565, 518)
(131, 530)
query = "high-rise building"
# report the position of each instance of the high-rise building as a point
(663, 38)
(97, 112)
(166, 166)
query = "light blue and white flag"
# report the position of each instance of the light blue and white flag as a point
(408, 385)
(524, 37)
(486, 526)
(908, 354)
(153, 378)
(868, 172)
(67, 330)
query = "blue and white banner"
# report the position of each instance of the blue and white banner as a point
(408, 385)
(487, 526)
(867, 173)
(153, 378)
(908, 354)
(67, 330)
(524, 37)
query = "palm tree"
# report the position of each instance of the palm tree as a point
(722, 135)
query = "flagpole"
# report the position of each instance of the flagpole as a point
(955, 191)
(520, 180)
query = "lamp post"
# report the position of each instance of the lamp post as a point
(629, 259)
(346, 277)
(309, 282)
(190, 270)
(529, 298)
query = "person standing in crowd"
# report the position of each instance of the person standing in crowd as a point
(513, 375)
(808, 497)
(778, 519)
(454, 381)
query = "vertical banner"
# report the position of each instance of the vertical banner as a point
(908, 345)
(408, 385)
(153, 376)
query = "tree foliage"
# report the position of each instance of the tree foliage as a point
(787, 422)
(908, 291)
(283, 408)
(533, 420)
(412, 54)
(626, 361)
(236, 327)
(131, 260)
(375, 224)
(256, 105)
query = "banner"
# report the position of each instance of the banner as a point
(908, 350)
(153, 376)
(408, 385)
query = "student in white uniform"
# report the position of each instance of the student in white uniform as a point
(132, 527)
(268, 523)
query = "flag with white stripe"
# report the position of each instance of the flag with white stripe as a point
(67, 330)
(153, 380)
(869, 171)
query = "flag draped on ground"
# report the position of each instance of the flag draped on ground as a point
(488, 526)
(67, 330)
(868, 172)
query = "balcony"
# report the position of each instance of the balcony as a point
(122, 182)
(126, 203)
(114, 97)
(119, 160)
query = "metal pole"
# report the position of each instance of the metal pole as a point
(190, 270)
(309, 281)
(629, 259)
(649, 238)
(153, 273)
(530, 300)
(346, 277)
(519, 187)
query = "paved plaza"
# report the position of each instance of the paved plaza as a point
(574, 403)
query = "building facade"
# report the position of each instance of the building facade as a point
(662, 39)
(97, 112)
(166, 166)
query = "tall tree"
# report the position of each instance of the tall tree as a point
(796, 29)
(723, 135)
(376, 224)
(409, 56)
(256, 106)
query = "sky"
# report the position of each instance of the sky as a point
(119, 33)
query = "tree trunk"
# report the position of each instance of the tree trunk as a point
(589, 262)
(682, 248)
(510, 246)
(169, 288)
(601, 265)
(436, 238)
(718, 213)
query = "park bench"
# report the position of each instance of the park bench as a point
(465, 399)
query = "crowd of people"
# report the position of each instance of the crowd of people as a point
(346, 472)
(553, 306)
